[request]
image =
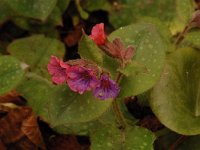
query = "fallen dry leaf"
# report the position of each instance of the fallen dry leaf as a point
(19, 129)
(11, 97)
(31, 130)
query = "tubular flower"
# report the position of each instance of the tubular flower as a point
(98, 34)
(106, 88)
(81, 79)
(58, 69)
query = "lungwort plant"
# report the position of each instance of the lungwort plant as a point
(152, 56)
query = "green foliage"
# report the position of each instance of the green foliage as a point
(129, 11)
(36, 51)
(93, 5)
(89, 50)
(133, 138)
(192, 39)
(5, 12)
(10, 73)
(81, 11)
(169, 84)
(54, 19)
(39, 9)
(142, 73)
(58, 105)
(175, 98)
(63, 4)
(150, 54)
(184, 11)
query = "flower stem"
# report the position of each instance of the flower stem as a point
(183, 33)
(119, 115)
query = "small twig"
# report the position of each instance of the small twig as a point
(178, 142)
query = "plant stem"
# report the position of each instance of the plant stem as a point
(119, 115)
(183, 33)
(177, 142)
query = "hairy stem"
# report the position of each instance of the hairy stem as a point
(119, 115)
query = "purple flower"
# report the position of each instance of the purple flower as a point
(58, 69)
(81, 79)
(106, 88)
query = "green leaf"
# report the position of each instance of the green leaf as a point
(36, 51)
(82, 12)
(93, 5)
(192, 39)
(5, 12)
(63, 4)
(58, 105)
(184, 11)
(111, 138)
(54, 19)
(135, 67)
(87, 128)
(37, 9)
(162, 29)
(106, 119)
(10, 73)
(89, 50)
(150, 53)
(175, 99)
(129, 11)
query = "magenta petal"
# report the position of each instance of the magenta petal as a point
(58, 69)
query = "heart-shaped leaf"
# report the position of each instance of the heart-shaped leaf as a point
(10, 73)
(37, 9)
(175, 99)
(36, 51)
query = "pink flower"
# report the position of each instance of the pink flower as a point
(106, 88)
(98, 34)
(81, 79)
(58, 69)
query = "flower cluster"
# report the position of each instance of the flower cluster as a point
(81, 79)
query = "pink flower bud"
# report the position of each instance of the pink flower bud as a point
(98, 34)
